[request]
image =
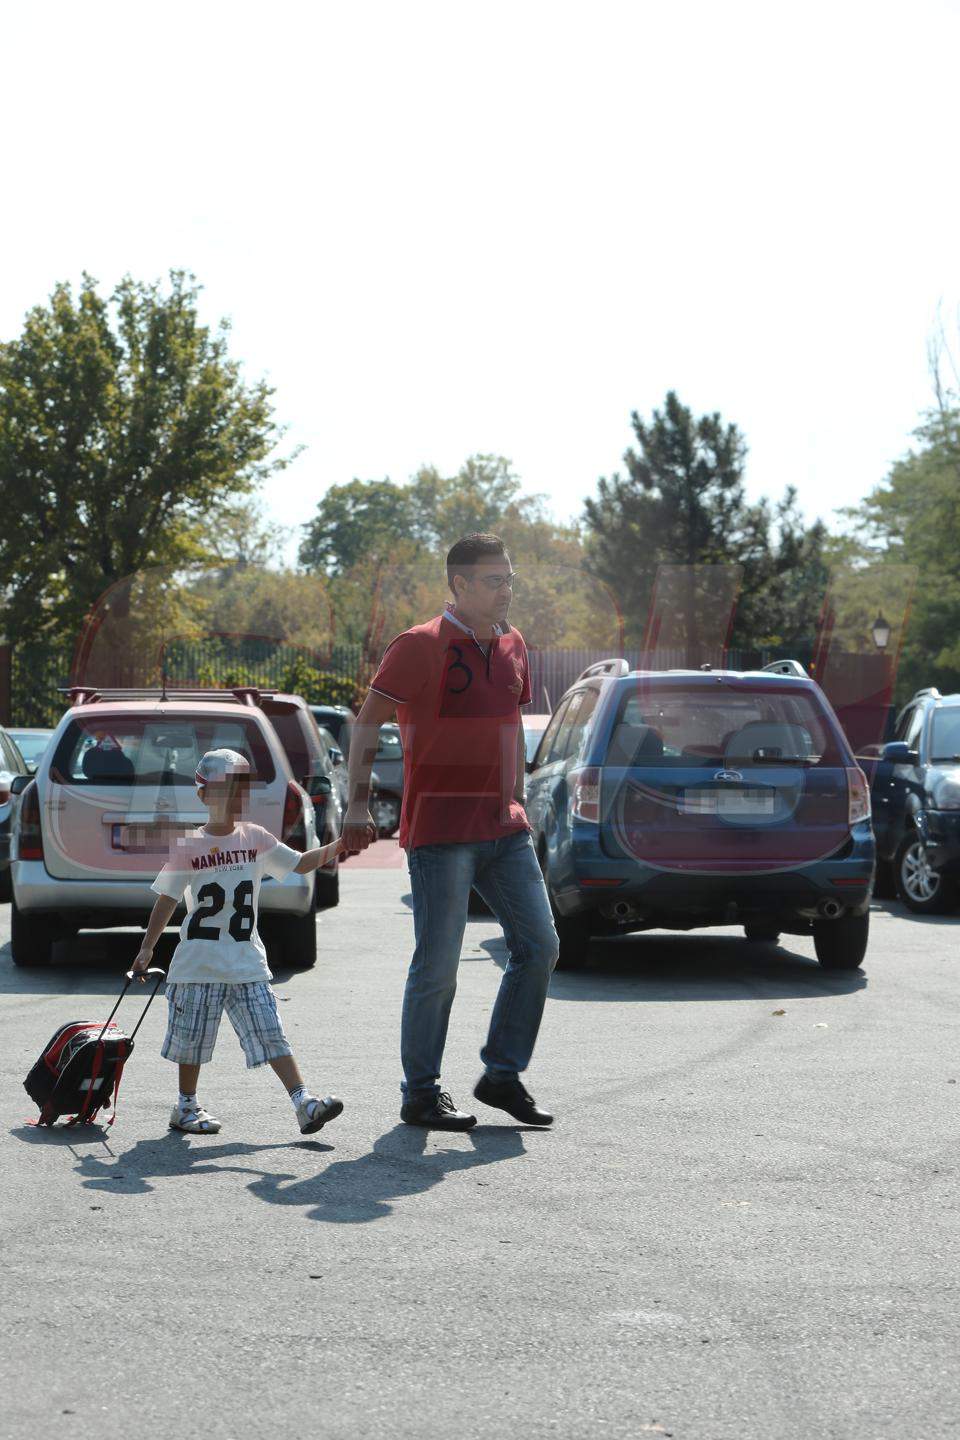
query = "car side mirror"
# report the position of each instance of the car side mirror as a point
(898, 752)
(19, 783)
(528, 766)
(317, 785)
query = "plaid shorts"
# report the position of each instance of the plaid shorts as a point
(193, 1019)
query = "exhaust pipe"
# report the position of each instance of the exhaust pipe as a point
(830, 909)
(623, 908)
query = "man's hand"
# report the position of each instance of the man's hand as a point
(142, 962)
(359, 831)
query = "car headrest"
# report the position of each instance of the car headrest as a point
(100, 763)
(771, 737)
(634, 745)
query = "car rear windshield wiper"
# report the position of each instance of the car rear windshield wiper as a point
(781, 760)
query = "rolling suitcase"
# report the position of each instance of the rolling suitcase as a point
(78, 1072)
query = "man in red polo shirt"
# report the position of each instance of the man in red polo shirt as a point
(456, 684)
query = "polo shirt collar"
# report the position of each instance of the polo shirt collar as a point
(449, 615)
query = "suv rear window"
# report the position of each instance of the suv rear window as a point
(692, 725)
(153, 749)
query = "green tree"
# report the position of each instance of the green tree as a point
(383, 546)
(913, 519)
(682, 502)
(353, 522)
(125, 428)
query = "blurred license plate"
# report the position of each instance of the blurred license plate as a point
(727, 802)
(143, 839)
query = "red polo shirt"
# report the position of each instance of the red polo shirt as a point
(459, 714)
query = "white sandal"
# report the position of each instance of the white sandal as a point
(194, 1120)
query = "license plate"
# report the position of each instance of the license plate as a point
(727, 802)
(142, 839)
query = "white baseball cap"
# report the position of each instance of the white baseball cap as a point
(219, 765)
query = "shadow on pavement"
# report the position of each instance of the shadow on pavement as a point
(898, 911)
(94, 963)
(130, 1171)
(686, 967)
(347, 1192)
(352, 1192)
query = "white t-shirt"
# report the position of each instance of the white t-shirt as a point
(219, 875)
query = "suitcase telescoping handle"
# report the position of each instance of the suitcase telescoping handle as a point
(161, 976)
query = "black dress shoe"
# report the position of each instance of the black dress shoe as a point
(510, 1095)
(438, 1112)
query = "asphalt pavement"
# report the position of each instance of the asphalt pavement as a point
(743, 1224)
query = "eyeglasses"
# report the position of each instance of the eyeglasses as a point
(497, 582)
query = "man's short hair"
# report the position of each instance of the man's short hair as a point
(469, 550)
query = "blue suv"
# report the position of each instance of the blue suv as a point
(685, 798)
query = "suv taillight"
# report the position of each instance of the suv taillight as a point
(294, 818)
(584, 793)
(30, 845)
(858, 795)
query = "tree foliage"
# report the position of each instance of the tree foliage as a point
(125, 428)
(682, 501)
(383, 545)
(913, 519)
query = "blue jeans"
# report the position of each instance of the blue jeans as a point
(507, 874)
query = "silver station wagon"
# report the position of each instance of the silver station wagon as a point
(114, 788)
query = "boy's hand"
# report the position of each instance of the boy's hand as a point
(142, 962)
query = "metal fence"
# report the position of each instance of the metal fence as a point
(35, 671)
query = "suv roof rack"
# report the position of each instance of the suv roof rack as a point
(787, 667)
(615, 666)
(930, 690)
(89, 694)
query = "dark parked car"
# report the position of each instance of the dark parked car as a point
(680, 799)
(338, 765)
(386, 781)
(385, 804)
(297, 731)
(916, 803)
(337, 719)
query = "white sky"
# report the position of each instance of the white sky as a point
(442, 228)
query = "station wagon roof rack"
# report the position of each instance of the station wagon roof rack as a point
(616, 666)
(930, 690)
(89, 694)
(787, 667)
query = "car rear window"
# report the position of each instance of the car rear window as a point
(693, 725)
(153, 749)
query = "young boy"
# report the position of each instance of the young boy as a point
(220, 962)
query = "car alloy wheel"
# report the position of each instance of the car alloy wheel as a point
(918, 877)
(921, 888)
